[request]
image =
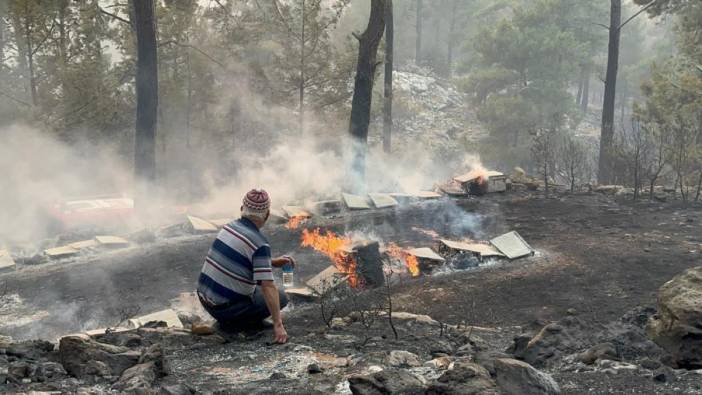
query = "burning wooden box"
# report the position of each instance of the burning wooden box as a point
(427, 259)
(359, 260)
(480, 182)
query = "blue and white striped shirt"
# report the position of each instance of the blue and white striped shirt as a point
(238, 258)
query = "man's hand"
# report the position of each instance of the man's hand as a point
(279, 334)
(282, 261)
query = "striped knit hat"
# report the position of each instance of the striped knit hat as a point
(257, 201)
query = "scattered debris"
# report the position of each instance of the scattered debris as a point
(512, 245)
(200, 225)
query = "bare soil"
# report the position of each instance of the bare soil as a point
(595, 255)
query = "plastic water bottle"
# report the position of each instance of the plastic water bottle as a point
(288, 275)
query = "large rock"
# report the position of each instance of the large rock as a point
(552, 342)
(519, 378)
(76, 351)
(678, 325)
(389, 381)
(466, 378)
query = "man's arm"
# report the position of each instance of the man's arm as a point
(270, 295)
(282, 261)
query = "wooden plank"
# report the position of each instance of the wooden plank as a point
(512, 245)
(80, 245)
(61, 252)
(355, 202)
(200, 225)
(111, 241)
(484, 250)
(425, 253)
(382, 200)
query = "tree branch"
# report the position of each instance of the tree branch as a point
(203, 53)
(114, 16)
(14, 99)
(601, 25)
(639, 12)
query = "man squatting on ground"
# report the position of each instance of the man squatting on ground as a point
(236, 284)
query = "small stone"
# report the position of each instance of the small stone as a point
(650, 364)
(571, 311)
(313, 368)
(664, 375)
(279, 376)
(441, 363)
(201, 329)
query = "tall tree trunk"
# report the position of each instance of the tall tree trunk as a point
(2, 38)
(607, 132)
(389, 48)
(29, 46)
(585, 99)
(363, 90)
(418, 42)
(302, 70)
(452, 32)
(147, 99)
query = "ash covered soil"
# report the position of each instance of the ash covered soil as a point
(594, 279)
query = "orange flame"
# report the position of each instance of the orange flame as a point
(410, 261)
(334, 247)
(295, 222)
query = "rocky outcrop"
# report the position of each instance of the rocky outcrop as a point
(466, 378)
(389, 381)
(678, 325)
(78, 354)
(519, 378)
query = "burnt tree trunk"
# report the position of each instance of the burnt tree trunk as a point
(387, 107)
(607, 132)
(147, 98)
(302, 70)
(363, 90)
(2, 38)
(418, 40)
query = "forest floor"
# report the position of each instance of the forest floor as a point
(597, 260)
